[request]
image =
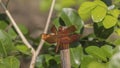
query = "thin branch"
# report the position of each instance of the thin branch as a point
(45, 31)
(17, 28)
(47, 25)
(7, 3)
(8, 27)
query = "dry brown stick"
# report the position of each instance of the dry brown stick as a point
(65, 58)
(32, 64)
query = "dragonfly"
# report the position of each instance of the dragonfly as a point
(63, 36)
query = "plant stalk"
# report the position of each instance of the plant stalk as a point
(33, 60)
(65, 58)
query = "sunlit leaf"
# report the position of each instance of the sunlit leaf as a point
(109, 21)
(118, 31)
(87, 59)
(23, 49)
(96, 14)
(96, 52)
(115, 13)
(85, 9)
(108, 50)
(96, 65)
(100, 3)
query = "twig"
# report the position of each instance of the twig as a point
(32, 64)
(8, 27)
(47, 25)
(65, 58)
(7, 3)
(17, 28)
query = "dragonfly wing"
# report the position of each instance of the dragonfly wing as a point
(74, 37)
(50, 38)
(71, 29)
(54, 29)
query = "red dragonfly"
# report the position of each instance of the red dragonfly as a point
(63, 36)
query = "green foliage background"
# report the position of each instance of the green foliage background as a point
(95, 50)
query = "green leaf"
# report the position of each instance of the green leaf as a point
(109, 21)
(10, 62)
(118, 31)
(56, 23)
(48, 57)
(12, 33)
(100, 3)
(3, 24)
(101, 32)
(2, 50)
(48, 61)
(66, 13)
(86, 61)
(95, 64)
(117, 42)
(40, 61)
(115, 13)
(76, 55)
(85, 9)
(57, 59)
(108, 50)
(23, 28)
(71, 17)
(96, 52)
(96, 14)
(116, 50)
(23, 49)
(6, 45)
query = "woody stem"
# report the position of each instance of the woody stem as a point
(65, 58)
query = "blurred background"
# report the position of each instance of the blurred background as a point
(28, 13)
(33, 13)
